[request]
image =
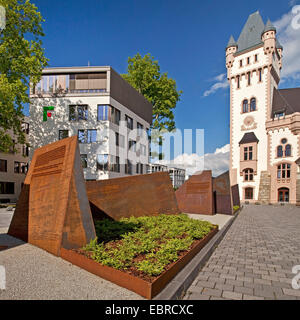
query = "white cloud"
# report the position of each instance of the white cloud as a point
(218, 161)
(289, 37)
(221, 83)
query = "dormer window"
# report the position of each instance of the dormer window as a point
(278, 115)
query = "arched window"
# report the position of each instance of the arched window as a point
(288, 150)
(245, 106)
(279, 152)
(248, 193)
(248, 175)
(253, 104)
(284, 171)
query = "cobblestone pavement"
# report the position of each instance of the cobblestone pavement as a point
(254, 261)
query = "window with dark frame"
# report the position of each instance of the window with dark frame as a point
(249, 194)
(284, 171)
(20, 167)
(3, 165)
(252, 104)
(288, 150)
(62, 134)
(87, 135)
(7, 187)
(83, 158)
(248, 175)
(248, 153)
(129, 122)
(245, 106)
(78, 112)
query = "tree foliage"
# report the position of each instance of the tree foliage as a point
(21, 61)
(143, 73)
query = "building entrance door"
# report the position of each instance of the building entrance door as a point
(283, 195)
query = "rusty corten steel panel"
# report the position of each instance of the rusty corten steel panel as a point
(53, 210)
(196, 194)
(140, 195)
(235, 195)
(222, 194)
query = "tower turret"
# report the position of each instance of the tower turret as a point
(279, 50)
(269, 38)
(230, 51)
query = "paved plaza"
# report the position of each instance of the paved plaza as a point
(255, 258)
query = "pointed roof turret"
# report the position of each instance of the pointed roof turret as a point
(251, 33)
(269, 27)
(231, 42)
(278, 45)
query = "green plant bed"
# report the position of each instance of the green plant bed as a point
(145, 246)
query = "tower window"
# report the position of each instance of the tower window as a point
(288, 150)
(253, 104)
(248, 153)
(279, 152)
(249, 194)
(249, 78)
(256, 57)
(284, 171)
(248, 60)
(245, 106)
(248, 175)
(260, 75)
(238, 82)
(241, 63)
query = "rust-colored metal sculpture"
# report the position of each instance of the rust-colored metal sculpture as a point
(203, 194)
(196, 194)
(140, 195)
(53, 210)
(226, 196)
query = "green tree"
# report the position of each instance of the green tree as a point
(143, 73)
(21, 61)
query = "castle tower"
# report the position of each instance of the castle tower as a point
(253, 66)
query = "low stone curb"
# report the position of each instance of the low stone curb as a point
(183, 280)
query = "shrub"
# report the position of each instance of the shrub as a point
(147, 244)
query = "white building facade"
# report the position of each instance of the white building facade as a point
(110, 118)
(264, 136)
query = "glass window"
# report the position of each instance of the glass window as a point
(132, 145)
(83, 158)
(91, 135)
(279, 152)
(140, 129)
(62, 134)
(249, 78)
(248, 175)
(102, 162)
(82, 136)
(284, 171)
(253, 104)
(128, 167)
(115, 115)
(245, 106)
(245, 154)
(7, 188)
(241, 63)
(78, 112)
(249, 193)
(25, 127)
(103, 112)
(129, 122)
(238, 82)
(3, 165)
(288, 150)
(260, 75)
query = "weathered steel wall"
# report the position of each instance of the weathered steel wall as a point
(196, 194)
(140, 195)
(222, 194)
(53, 210)
(235, 195)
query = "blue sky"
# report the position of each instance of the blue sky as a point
(188, 38)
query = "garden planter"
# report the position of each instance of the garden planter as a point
(136, 284)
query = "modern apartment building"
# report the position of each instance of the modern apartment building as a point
(109, 116)
(177, 175)
(13, 169)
